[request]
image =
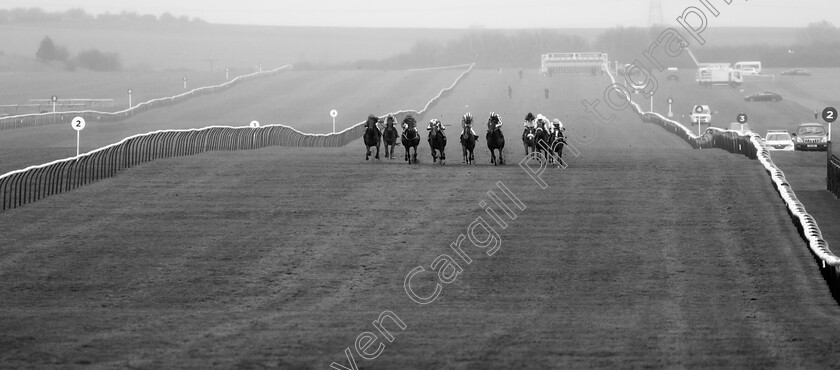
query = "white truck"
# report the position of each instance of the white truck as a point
(719, 74)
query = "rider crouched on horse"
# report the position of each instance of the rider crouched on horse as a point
(494, 123)
(373, 121)
(541, 123)
(556, 128)
(390, 121)
(434, 122)
(409, 123)
(529, 124)
(466, 121)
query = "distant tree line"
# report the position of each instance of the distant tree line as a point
(93, 59)
(818, 46)
(38, 15)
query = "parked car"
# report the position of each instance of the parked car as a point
(810, 136)
(796, 72)
(764, 96)
(778, 140)
(701, 114)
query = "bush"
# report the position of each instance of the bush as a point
(96, 60)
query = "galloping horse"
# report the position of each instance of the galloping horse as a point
(541, 137)
(557, 141)
(495, 138)
(410, 137)
(437, 140)
(468, 139)
(372, 136)
(529, 140)
(390, 136)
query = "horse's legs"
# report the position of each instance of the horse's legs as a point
(464, 152)
(377, 152)
(367, 155)
(501, 160)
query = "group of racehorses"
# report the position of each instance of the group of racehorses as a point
(539, 140)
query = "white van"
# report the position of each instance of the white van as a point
(749, 68)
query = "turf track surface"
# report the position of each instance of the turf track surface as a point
(643, 252)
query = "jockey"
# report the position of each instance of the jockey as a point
(556, 126)
(435, 122)
(373, 121)
(390, 120)
(498, 119)
(409, 123)
(541, 122)
(529, 120)
(467, 118)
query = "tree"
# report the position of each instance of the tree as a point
(820, 33)
(48, 51)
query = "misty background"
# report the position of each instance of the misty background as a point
(353, 36)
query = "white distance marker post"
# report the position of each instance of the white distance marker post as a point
(227, 73)
(185, 82)
(670, 113)
(333, 114)
(54, 100)
(78, 124)
(699, 109)
(742, 119)
(651, 103)
(129, 99)
(829, 115)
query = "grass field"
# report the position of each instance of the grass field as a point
(145, 86)
(640, 254)
(297, 98)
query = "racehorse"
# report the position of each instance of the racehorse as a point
(373, 136)
(389, 137)
(557, 142)
(437, 140)
(541, 137)
(495, 138)
(410, 138)
(468, 139)
(529, 140)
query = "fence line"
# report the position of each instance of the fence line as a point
(753, 147)
(36, 182)
(53, 118)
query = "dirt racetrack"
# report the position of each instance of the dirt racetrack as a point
(642, 253)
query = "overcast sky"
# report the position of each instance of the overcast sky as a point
(458, 13)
